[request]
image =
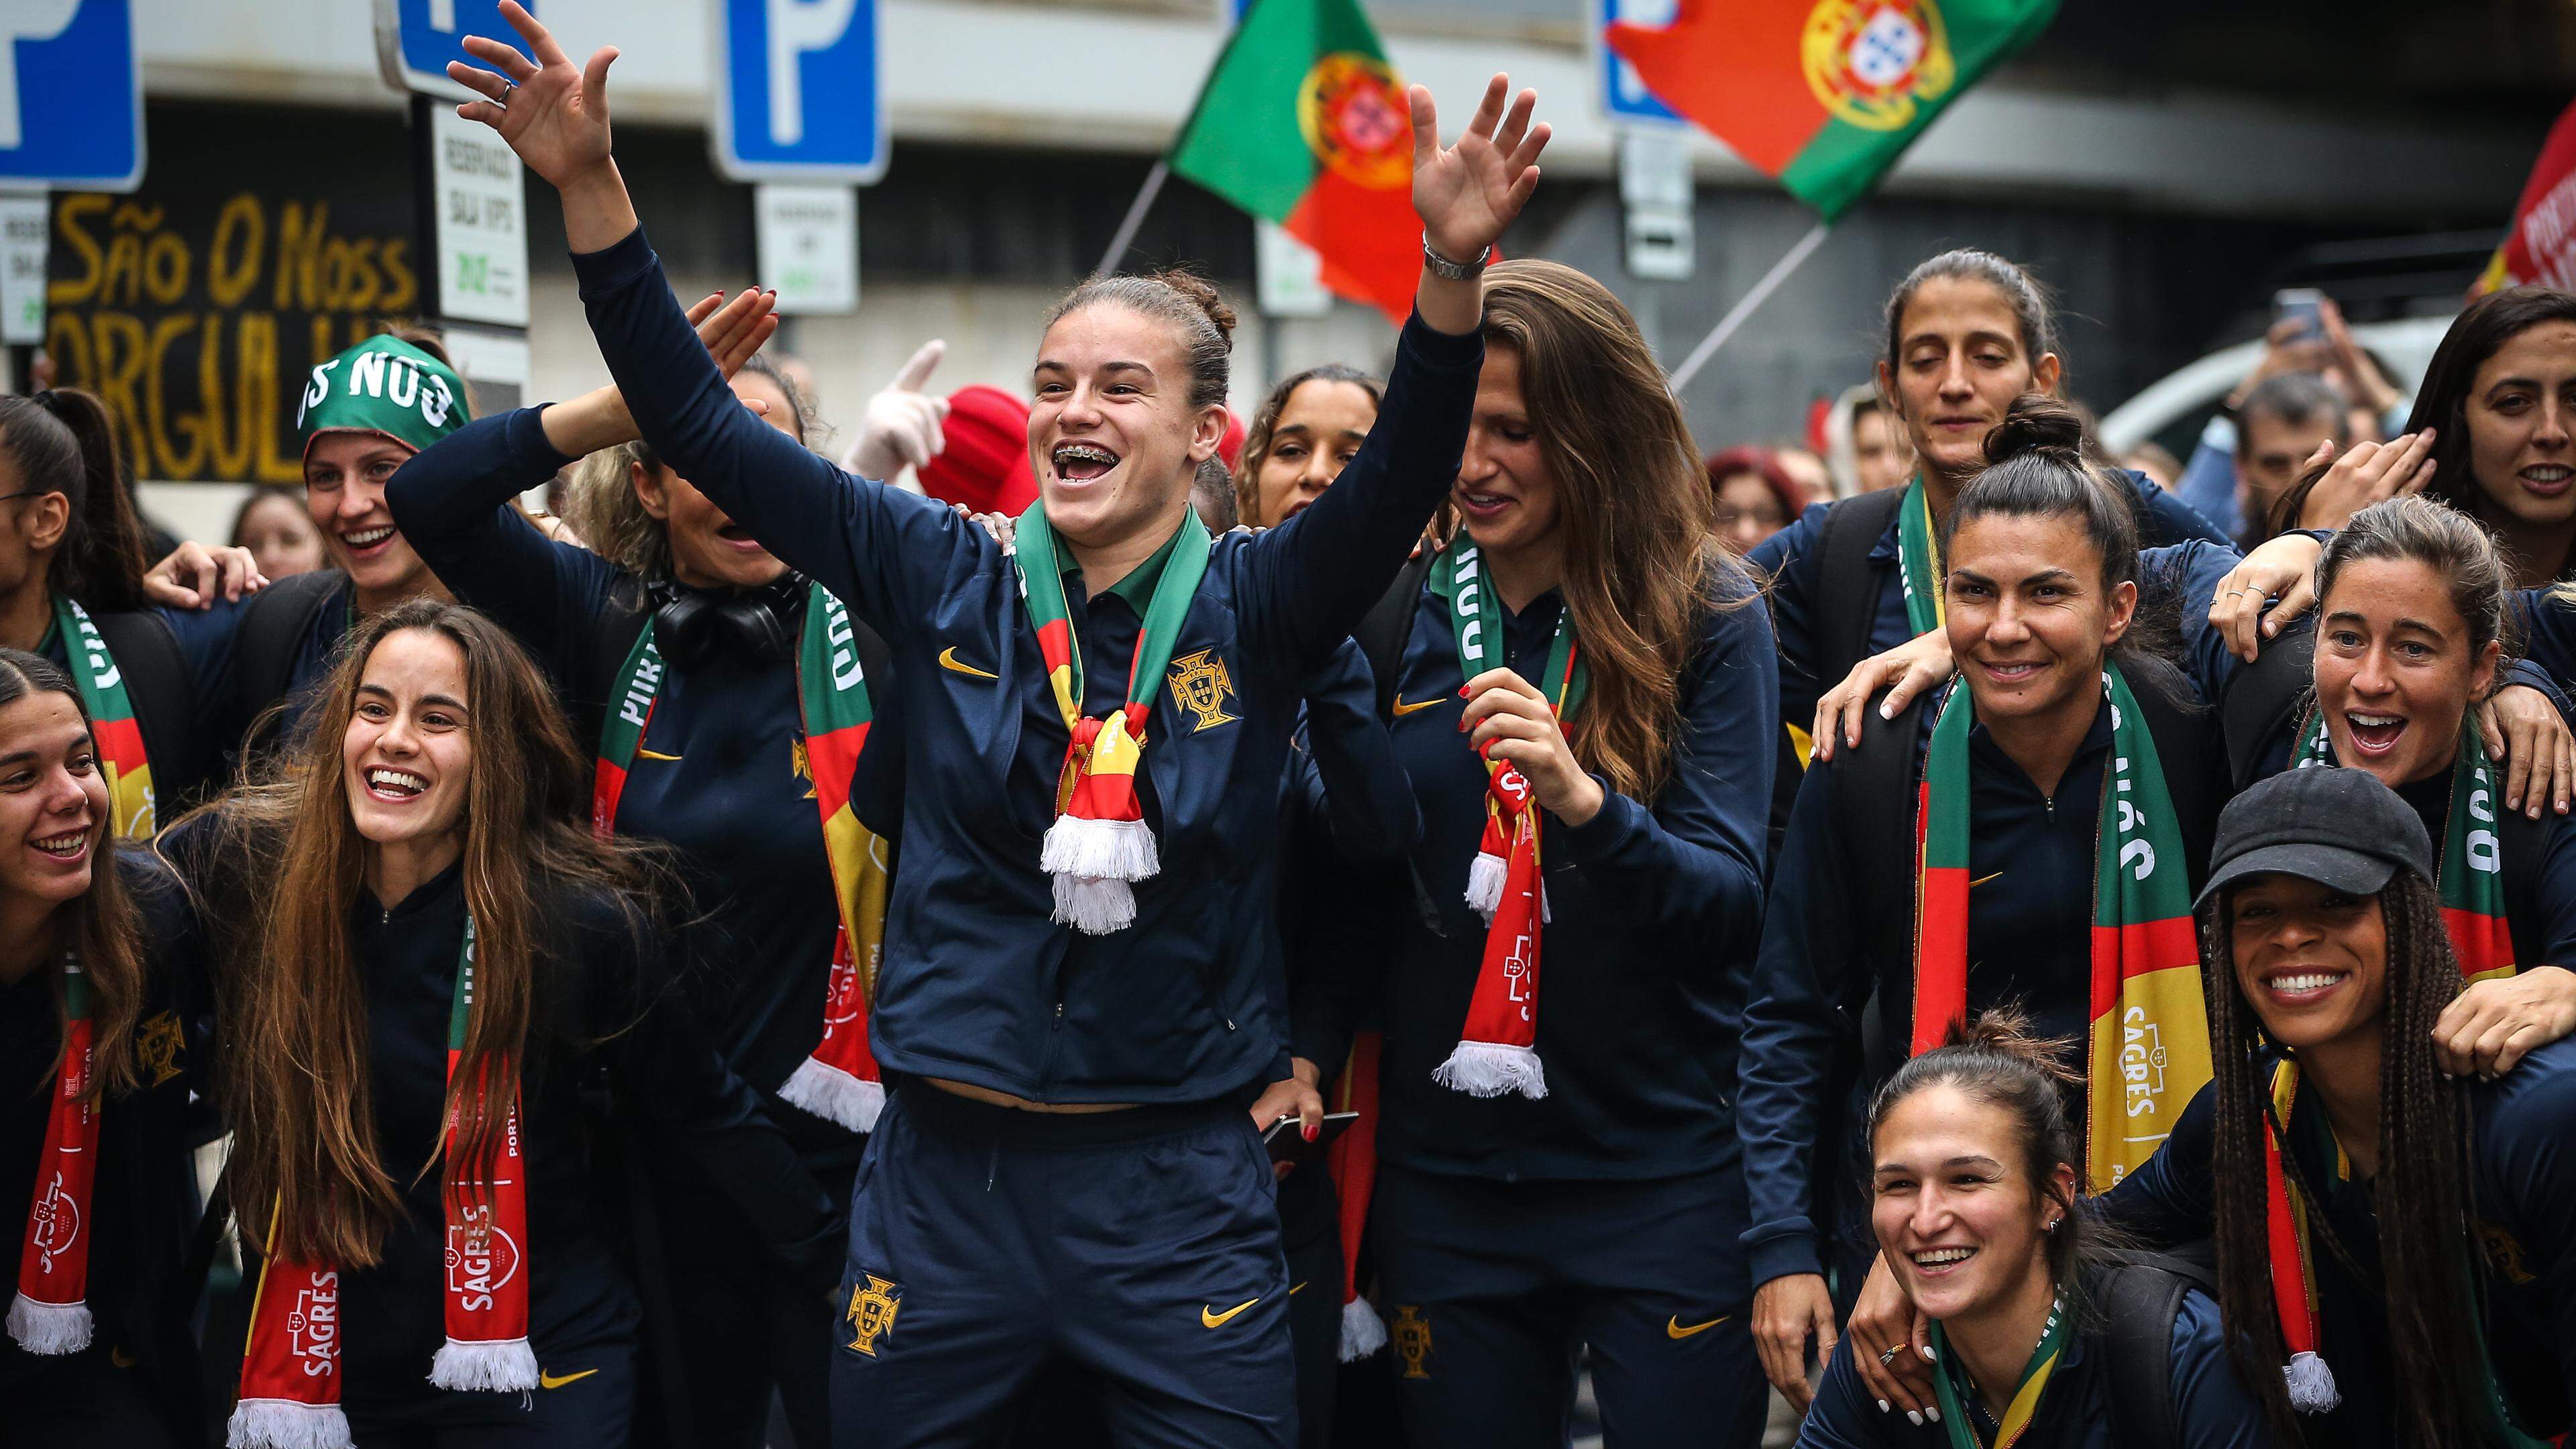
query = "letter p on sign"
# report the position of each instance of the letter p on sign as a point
(797, 27)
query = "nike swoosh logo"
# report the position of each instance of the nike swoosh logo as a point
(556, 1381)
(1402, 709)
(642, 753)
(1214, 1319)
(1981, 880)
(948, 660)
(1293, 1290)
(1673, 1326)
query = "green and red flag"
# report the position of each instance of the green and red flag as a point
(1824, 95)
(2540, 246)
(2149, 1039)
(1303, 121)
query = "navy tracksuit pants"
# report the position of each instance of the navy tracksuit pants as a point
(1140, 1246)
(1490, 1287)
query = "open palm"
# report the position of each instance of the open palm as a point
(553, 113)
(1468, 193)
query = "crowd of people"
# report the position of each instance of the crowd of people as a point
(1033, 927)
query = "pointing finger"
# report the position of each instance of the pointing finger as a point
(917, 370)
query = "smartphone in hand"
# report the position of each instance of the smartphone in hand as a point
(1287, 1140)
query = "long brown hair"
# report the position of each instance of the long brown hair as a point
(102, 926)
(297, 1087)
(61, 441)
(2420, 1195)
(1643, 560)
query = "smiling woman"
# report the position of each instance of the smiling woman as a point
(426, 953)
(2392, 1240)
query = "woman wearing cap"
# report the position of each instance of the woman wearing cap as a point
(726, 701)
(1582, 705)
(100, 998)
(1974, 1199)
(2396, 1242)
(2067, 788)
(426, 958)
(1075, 982)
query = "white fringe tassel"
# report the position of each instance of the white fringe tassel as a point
(1485, 884)
(503, 1366)
(2312, 1384)
(1101, 849)
(286, 1424)
(48, 1327)
(1363, 1332)
(1490, 1069)
(1094, 906)
(834, 1095)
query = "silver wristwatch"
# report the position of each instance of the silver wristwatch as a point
(1455, 271)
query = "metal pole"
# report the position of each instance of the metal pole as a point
(1135, 218)
(1743, 308)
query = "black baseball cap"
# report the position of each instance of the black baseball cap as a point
(2337, 827)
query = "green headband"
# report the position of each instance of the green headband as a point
(383, 385)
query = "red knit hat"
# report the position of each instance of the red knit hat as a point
(986, 463)
(1230, 447)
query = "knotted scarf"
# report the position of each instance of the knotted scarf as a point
(290, 1380)
(1497, 1052)
(2470, 873)
(2150, 1024)
(1918, 559)
(838, 1080)
(1955, 1392)
(1100, 845)
(111, 721)
(50, 1313)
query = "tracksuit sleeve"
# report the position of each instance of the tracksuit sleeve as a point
(452, 501)
(2169, 1199)
(1785, 1077)
(2548, 622)
(2211, 1403)
(1350, 776)
(887, 553)
(2191, 572)
(1690, 866)
(666, 1060)
(2530, 1154)
(1309, 582)
(2163, 518)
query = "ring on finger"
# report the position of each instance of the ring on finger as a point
(1888, 1358)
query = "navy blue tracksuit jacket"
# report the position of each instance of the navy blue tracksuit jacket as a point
(978, 983)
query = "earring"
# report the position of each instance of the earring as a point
(2050, 1226)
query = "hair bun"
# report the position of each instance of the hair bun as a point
(2006, 1031)
(2037, 423)
(1202, 294)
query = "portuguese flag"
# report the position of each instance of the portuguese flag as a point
(1824, 95)
(1304, 122)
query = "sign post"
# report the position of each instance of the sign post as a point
(799, 91)
(71, 117)
(809, 245)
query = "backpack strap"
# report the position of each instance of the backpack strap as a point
(2141, 1297)
(274, 626)
(2525, 843)
(1845, 603)
(164, 696)
(1388, 626)
(1874, 818)
(2261, 704)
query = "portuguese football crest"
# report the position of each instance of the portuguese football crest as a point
(1201, 686)
(871, 1313)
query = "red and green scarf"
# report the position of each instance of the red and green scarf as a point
(50, 1313)
(2150, 1024)
(1352, 1161)
(1918, 559)
(290, 1379)
(1497, 1051)
(111, 721)
(838, 1081)
(2470, 876)
(1956, 1393)
(1100, 845)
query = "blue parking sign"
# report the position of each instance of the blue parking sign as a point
(1623, 92)
(799, 91)
(71, 97)
(415, 39)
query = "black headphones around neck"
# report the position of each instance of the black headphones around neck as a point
(759, 626)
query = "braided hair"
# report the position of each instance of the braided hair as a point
(2420, 1194)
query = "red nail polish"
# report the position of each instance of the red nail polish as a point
(1462, 691)
(1312, 1131)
